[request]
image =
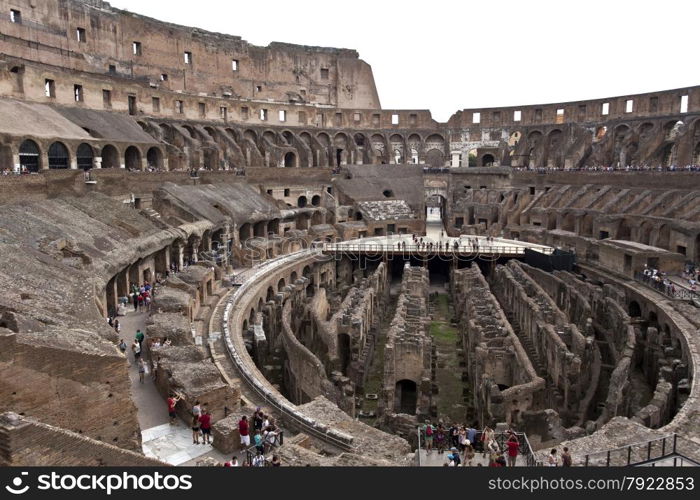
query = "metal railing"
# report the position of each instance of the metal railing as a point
(669, 289)
(647, 452)
(501, 438)
(252, 451)
(462, 249)
(287, 411)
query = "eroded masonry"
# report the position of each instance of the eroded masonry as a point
(353, 271)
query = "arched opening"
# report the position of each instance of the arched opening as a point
(251, 317)
(290, 160)
(293, 277)
(260, 229)
(310, 290)
(302, 221)
(85, 155)
(653, 319)
(664, 235)
(568, 222)
(487, 160)
(270, 295)
(472, 158)
(58, 156)
(302, 202)
(623, 231)
(586, 228)
(245, 232)
(317, 218)
(306, 273)
(406, 397)
(29, 158)
(132, 158)
(110, 157)
(667, 155)
(316, 200)
(634, 310)
(154, 158)
(281, 284)
(344, 356)
(645, 233)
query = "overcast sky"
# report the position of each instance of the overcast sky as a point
(448, 55)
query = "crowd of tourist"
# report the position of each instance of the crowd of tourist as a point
(266, 436)
(615, 168)
(661, 281)
(461, 445)
(471, 244)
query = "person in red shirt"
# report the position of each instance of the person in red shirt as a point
(172, 401)
(243, 431)
(205, 426)
(513, 446)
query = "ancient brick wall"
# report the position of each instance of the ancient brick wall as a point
(28, 442)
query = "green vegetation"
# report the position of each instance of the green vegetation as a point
(449, 373)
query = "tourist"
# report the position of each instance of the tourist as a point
(142, 370)
(428, 436)
(513, 447)
(488, 443)
(117, 326)
(462, 438)
(553, 460)
(258, 419)
(276, 461)
(139, 337)
(232, 463)
(471, 434)
(122, 346)
(195, 430)
(205, 425)
(197, 409)
(136, 347)
(243, 431)
(440, 439)
(468, 453)
(270, 436)
(135, 298)
(258, 442)
(454, 435)
(172, 401)
(453, 459)
(501, 460)
(566, 460)
(259, 460)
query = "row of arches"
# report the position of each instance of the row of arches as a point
(86, 156)
(217, 147)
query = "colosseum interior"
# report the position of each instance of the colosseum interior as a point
(353, 271)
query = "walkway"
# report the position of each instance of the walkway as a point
(388, 244)
(169, 443)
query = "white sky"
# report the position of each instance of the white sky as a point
(448, 55)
